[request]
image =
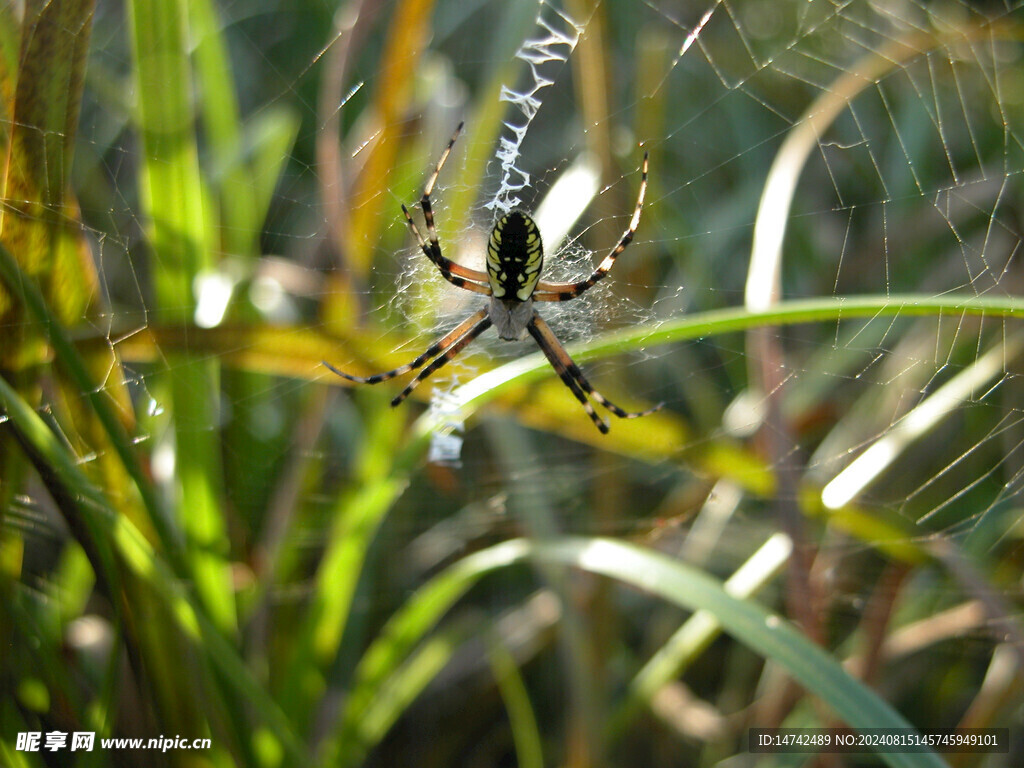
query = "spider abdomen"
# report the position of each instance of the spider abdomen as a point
(514, 257)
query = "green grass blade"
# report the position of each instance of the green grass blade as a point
(764, 632)
(77, 371)
(733, 319)
(295, 351)
(172, 195)
(39, 224)
(65, 478)
(269, 138)
(697, 633)
(402, 634)
(522, 720)
(379, 477)
(397, 693)
(223, 128)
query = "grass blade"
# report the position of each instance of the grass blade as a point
(118, 538)
(173, 203)
(764, 632)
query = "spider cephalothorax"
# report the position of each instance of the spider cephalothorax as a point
(515, 257)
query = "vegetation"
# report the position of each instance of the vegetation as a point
(205, 534)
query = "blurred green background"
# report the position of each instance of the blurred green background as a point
(206, 534)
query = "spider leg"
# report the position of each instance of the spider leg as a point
(573, 377)
(456, 274)
(481, 326)
(429, 187)
(437, 348)
(565, 291)
(563, 373)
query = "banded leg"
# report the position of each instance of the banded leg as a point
(554, 351)
(565, 291)
(456, 274)
(437, 348)
(447, 356)
(563, 373)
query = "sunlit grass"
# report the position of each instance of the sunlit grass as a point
(265, 551)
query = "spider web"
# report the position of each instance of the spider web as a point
(922, 155)
(907, 181)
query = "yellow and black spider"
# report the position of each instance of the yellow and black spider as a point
(514, 260)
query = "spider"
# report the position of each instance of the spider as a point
(514, 260)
